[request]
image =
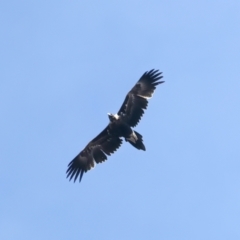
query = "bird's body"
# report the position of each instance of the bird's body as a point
(120, 126)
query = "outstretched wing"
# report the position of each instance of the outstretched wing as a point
(95, 152)
(136, 100)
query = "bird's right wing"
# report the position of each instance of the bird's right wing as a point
(137, 98)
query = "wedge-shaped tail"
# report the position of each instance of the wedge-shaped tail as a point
(136, 141)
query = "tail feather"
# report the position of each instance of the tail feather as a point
(136, 141)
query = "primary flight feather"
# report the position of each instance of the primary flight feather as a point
(109, 140)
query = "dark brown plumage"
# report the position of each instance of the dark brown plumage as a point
(137, 99)
(109, 140)
(95, 151)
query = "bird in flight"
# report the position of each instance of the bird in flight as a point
(120, 126)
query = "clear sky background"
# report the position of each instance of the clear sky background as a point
(65, 64)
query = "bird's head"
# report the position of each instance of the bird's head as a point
(112, 117)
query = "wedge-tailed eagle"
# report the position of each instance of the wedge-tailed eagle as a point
(120, 126)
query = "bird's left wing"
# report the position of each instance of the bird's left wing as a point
(95, 152)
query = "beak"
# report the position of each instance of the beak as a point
(111, 117)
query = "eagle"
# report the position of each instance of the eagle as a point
(119, 127)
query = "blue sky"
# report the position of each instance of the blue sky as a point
(65, 64)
